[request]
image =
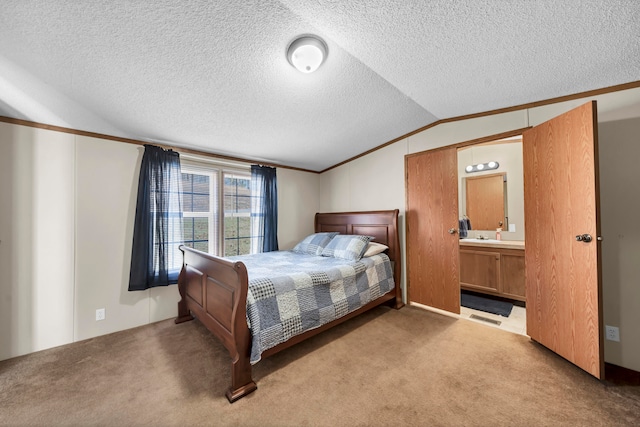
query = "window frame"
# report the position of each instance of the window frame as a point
(216, 171)
(194, 169)
(234, 174)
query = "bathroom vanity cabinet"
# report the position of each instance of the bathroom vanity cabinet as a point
(495, 268)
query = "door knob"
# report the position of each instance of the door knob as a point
(584, 238)
(452, 231)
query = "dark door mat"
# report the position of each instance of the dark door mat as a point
(488, 305)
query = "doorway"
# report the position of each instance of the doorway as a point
(491, 206)
(563, 252)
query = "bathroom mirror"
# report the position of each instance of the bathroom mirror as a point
(486, 201)
(500, 189)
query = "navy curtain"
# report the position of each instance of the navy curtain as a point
(264, 209)
(157, 233)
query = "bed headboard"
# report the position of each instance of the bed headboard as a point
(382, 225)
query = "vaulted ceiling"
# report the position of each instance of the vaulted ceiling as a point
(213, 75)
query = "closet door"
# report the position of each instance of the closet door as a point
(562, 253)
(432, 229)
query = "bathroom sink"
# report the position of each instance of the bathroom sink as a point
(481, 240)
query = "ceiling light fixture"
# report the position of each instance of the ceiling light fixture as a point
(307, 53)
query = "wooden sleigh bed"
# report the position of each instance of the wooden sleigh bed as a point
(214, 290)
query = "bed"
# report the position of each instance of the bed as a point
(215, 291)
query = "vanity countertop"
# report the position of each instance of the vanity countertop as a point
(492, 243)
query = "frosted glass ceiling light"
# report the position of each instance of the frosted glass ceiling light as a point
(307, 53)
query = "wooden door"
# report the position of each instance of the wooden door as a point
(485, 201)
(561, 202)
(432, 229)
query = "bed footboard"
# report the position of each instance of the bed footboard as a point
(214, 290)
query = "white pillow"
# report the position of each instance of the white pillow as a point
(374, 249)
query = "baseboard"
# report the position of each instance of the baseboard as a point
(621, 376)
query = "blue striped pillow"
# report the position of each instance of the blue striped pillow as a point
(349, 247)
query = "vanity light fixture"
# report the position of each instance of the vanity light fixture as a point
(482, 167)
(307, 53)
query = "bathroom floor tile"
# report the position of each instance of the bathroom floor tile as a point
(515, 323)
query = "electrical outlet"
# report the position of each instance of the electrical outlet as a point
(100, 314)
(612, 333)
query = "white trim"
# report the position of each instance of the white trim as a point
(215, 170)
(213, 174)
(237, 214)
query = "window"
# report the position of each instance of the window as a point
(199, 209)
(217, 218)
(237, 214)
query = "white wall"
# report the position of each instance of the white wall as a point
(297, 205)
(620, 210)
(66, 227)
(36, 239)
(106, 189)
(467, 130)
(357, 185)
(336, 194)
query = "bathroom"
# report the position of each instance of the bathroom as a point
(492, 234)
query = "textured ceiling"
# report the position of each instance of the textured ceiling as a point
(213, 75)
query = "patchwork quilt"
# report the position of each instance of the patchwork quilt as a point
(290, 293)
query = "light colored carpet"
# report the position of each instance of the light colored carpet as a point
(385, 367)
